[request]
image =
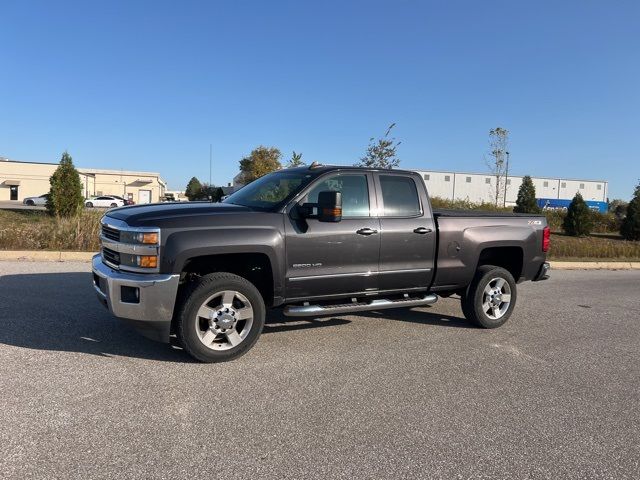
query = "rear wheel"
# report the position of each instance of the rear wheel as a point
(114, 205)
(30, 203)
(220, 318)
(89, 205)
(490, 298)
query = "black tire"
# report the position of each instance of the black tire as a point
(114, 205)
(30, 203)
(474, 298)
(88, 205)
(193, 299)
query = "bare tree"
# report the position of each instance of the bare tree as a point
(499, 168)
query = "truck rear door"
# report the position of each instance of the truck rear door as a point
(407, 232)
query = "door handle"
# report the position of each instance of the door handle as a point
(366, 231)
(422, 230)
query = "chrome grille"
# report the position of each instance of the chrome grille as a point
(111, 256)
(111, 233)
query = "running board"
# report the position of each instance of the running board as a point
(377, 304)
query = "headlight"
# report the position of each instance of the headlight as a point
(147, 261)
(146, 238)
(139, 261)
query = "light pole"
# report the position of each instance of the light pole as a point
(506, 180)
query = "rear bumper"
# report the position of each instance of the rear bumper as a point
(148, 298)
(543, 273)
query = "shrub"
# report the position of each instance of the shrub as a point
(65, 198)
(579, 219)
(443, 203)
(630, 228)
(555, 218)
(526, 201)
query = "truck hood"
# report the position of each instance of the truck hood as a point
(138, 215)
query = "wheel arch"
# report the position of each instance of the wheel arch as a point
(511, 258)
(256, 267)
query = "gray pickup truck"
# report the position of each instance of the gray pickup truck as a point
(314, 241)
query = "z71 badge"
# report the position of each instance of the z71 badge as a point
(534, 222)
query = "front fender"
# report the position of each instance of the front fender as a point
(180, 246)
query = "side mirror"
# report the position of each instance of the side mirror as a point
(329, 206)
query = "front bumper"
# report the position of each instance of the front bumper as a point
(148, 301)
(543, 273)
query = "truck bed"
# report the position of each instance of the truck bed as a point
(466, 238)
(479, 213)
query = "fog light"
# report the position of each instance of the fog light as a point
(130, 294)
(147, 261)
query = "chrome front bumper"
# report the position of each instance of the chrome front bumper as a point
(149, 298)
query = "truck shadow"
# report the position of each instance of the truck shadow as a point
(59, 312)
(420, 316)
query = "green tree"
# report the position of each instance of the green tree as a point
(296, 160)
(261, 160)
(618, 208)
(65, 197)
(211, 193)
(578, 222)
(194, 189)
(526, 201)
(630, 228)
(381, 153)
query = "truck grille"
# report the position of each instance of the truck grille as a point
(111, 256)
(111, 233)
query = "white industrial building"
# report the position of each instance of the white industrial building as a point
(481, 187)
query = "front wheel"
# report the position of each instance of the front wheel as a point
(490, 298)
(220, 318)
(30, 203)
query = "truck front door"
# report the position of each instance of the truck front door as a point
(324, 258)
(408, 232)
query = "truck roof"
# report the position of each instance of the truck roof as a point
(318, 167)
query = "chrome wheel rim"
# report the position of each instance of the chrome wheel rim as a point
(224, 320)
(496, 298)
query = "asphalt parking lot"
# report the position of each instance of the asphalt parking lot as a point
(555, 393)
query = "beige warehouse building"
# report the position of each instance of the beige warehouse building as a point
(19, 180)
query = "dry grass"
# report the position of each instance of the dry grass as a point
(595, 247)
(35, 230)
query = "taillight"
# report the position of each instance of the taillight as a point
(546, 239)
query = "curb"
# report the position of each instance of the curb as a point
(45, 256)
(63, 256)
(595, 265)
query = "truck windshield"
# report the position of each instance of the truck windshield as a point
(271, 191)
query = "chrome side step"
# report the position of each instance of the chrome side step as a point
(377, 304)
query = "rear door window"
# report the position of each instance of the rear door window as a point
(400, 196)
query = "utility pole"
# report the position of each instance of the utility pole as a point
(506, 181)
(210, 161)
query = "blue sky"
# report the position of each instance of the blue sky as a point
(149, 85)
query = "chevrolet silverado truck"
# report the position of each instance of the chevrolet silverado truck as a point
(313, 241)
